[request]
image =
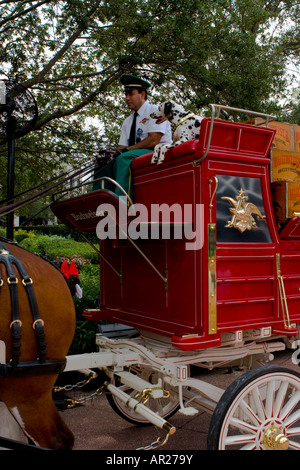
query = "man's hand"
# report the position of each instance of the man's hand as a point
(103, 157)
(118, 152)
(107, 156)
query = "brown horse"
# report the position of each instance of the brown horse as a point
(29, 396)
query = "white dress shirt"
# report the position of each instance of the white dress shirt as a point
(144, 125)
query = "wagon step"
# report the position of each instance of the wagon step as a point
(117, 331)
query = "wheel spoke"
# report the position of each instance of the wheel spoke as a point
(270, 398)
(289, 406)
(243, 426)
(258, 404)
(293, 431)
(292, 418)
(157, 405)
(294, 445)
(280, 398)
(249, 413)
(239, 439)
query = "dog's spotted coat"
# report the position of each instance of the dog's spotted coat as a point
(187, 127)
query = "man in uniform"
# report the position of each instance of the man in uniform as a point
(139, 134)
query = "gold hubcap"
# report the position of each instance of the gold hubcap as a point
(274, 439)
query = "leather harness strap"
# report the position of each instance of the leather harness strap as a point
(9, 259)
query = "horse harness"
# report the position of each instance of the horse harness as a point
(15, 367)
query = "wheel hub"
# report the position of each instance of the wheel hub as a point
(275, 439)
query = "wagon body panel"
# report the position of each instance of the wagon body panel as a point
(185, 307)
(247, 290)
(225, 298)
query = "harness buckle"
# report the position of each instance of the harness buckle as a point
(12, 280)
(27, 281)
(35, 322)
(15, 321)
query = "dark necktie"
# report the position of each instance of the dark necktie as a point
(132, 130)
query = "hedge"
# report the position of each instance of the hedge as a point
(58, 229)
(57, 249)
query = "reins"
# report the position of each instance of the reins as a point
(29, 199)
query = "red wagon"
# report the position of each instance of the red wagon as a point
(197, 266)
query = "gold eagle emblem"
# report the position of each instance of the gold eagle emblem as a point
(242, 211)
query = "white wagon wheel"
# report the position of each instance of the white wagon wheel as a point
(165, 407)
(259, 410)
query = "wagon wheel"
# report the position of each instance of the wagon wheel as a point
(165, 407)
(259, 410)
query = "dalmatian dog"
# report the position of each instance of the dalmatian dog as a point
(185, 126)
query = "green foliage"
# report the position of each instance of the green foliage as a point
(2, 232)
(58, 249)
(292, 112)
(20, 235)
(84, 338)
(60, 229)
(90, 284)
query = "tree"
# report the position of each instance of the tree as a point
(71, 54)
(290, 48)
